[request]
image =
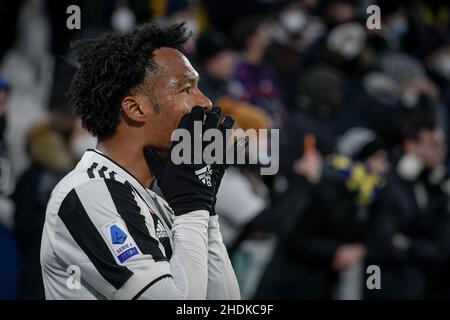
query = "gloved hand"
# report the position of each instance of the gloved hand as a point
(190, 187)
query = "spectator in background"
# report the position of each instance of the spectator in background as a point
(217, 65)
(259, 83)
(436, 55)
(123, 18)
(339, 11)
(315, 112)
(51, 159)
(250, 219)
(188, 12)
(415, 92)
(299, 23)
(346, 50)
(321, 254)
(295, 33)
(396, 88)
(28, 68)
(413, 220)
(435, 52)
(435, 13)
(346, 47)
(395, 23)
(8, 267)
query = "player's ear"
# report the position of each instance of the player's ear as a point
(132, 107)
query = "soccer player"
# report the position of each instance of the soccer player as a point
(106, 235)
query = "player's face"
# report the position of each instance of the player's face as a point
(176, 93)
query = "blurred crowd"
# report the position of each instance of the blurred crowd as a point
(364, 123)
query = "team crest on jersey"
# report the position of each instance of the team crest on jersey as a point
(119, 241)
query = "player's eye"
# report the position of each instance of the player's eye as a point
(187, 90)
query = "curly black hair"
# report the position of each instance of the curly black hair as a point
(111, 67)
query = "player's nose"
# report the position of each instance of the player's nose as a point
(203, 101)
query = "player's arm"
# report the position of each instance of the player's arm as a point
(102, 230)
(192, 201)
(221, 279)
(222, 282)
(188, 265)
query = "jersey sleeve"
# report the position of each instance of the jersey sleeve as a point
(190, 279)
(102, 229)
(189, 262)
(222, 282)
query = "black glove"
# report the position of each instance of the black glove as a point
(189, 187)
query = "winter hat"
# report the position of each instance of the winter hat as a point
(359, 143)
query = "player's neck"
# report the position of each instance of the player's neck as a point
(130, 156)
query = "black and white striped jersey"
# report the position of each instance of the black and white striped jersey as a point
(105, 235)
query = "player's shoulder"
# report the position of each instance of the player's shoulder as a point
(93, 178)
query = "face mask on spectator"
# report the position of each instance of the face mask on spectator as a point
(442, 66)
(293, 20)
(350, 49)
(123, 20)
(399, 26)
(348, 40)
(410, 166)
